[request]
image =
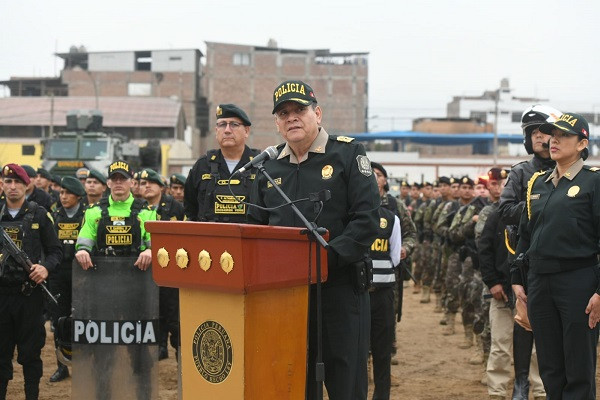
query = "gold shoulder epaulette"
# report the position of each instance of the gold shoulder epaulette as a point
(529, 188)
(594, 169)
(345, 139)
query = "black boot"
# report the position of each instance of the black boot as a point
(163, 352)
(61, 373)
(522, 347)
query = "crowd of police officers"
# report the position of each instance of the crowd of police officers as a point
(455, 238)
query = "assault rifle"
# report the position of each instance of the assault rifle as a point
(23, 260)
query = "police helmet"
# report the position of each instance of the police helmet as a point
(532, 118)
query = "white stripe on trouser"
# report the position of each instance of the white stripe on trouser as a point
(499, 367)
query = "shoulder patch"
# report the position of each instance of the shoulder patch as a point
(364, 165)
(344, 139)
(521, 162)
(205, 176)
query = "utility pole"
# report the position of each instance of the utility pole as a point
(495, 144)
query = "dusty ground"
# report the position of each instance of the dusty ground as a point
(432, 367)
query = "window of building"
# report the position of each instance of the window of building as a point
(241, 58)
(479, 116)
(28, 150)
(139, 89)
(143, 61)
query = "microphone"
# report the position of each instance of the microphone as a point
(269, 153)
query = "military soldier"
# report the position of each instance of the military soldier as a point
(421, 256)
(176, 185)
(428, 255)
(207, 194)
(310, 161)
(405, 192)
(440, 262)
(167, 209)
(67, 223)
(43, 181)
(34, 193)
(21, 301)
(462, 235)
(454, 263)
(82, 174)
(95, 187)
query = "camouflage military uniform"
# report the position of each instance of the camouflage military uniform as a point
(428, 259)
(440, 228)
(463, 235)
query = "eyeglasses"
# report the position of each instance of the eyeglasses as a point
(232, 125)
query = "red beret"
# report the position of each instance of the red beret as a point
(15, 171)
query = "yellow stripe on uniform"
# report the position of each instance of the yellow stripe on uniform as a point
(529, 188)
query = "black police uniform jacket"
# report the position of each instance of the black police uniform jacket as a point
(32, 230)
(513, 194)
(207, 181)
(492, 252)
(351, 215)
(42, 198)
(560, 226)
(67, 229)
(169, 209)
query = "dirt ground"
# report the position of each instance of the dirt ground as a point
(431, 366)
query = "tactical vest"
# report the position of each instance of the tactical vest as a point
(119, 236)
(11, 273)
(383, 270)
(219, 204)
(388, 201)
(67, 230)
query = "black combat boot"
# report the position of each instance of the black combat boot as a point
(61, 373)
(522, 347)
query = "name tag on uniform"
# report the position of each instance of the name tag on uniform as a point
(535, 196)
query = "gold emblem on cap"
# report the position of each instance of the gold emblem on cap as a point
(144, 174)
(382, 223)
(162, 255)
(573, 190)
(226, 262)
(204, 260)
(219, 110)
(181, 257)
(327, 171)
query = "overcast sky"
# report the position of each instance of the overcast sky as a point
(421, 52)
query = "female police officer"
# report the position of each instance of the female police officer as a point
(559, 234)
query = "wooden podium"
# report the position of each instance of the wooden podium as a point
(243, 306)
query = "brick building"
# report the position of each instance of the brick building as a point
(247, 75)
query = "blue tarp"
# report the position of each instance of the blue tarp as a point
(438, 138)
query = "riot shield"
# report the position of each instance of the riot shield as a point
(115, 331)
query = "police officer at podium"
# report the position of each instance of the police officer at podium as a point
(207, 196)
(21, 303)
(118, 209)
(311, 160)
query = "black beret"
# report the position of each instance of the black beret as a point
(94, 173)
(44, 173)
(379, 167)
(178, 179)
(73, 185)
(445, 179)
(30, 171)
(232, 111)
(465, 180)
(151, 175)
(426, 184)
(56, 179)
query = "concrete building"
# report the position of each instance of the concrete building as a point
(247, 76)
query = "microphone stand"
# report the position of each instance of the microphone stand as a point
(314, 234)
